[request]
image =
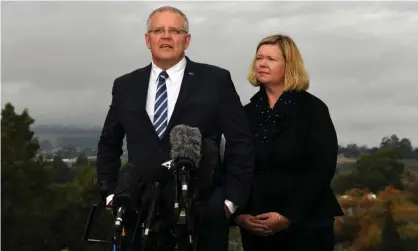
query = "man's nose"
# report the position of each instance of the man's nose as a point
(166, 34)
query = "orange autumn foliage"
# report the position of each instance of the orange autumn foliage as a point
(368, 237)
(403, 209)
(364, 216)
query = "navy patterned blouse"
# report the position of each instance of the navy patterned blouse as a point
(268, 118)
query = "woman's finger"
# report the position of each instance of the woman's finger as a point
(256, 225)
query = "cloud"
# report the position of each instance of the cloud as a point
(60, 58)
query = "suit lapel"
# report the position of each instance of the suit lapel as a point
(142, 82)
(187, 85)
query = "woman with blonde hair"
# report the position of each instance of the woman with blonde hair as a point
(292, 206)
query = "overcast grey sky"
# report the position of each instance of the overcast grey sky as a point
(59, 59)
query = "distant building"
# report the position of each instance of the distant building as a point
(71, 161)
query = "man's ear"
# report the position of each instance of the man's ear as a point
(147, 40)
(187, 42)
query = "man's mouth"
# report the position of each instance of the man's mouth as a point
(166, 46)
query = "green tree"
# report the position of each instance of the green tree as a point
(390, 142)
(71, 204)
(415, 153)
(60, 171)
(81, 160)
(378, 170)
(344, 181)
(25, 183)
(405, 147)
(39, 214)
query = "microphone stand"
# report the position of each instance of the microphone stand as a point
(181, 233)
(119, 237)
(151, 213)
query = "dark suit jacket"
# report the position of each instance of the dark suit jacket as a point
(295, 168)
(207, 100)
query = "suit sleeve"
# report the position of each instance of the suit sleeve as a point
(239, 153)
(322, 148)
(110, 146)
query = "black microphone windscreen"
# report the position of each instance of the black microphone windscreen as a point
(186, 143)
(209, 162)
(104, 187)
(128, 187)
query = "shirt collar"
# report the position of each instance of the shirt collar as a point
(175, 69)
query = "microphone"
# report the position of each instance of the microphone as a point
(127, 191)
(208, 163)
(185, 156)
(185, 145)
(151, 212)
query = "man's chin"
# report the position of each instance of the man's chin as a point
(165, 56)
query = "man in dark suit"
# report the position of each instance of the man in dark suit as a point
(147, 103)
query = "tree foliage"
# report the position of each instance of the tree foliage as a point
(373, 171)
(44, 204)
(25, 183)
(377, 222)
(377, 170)
(403, 146)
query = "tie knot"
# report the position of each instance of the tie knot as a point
(163, 75)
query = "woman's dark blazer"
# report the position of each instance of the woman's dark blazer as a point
(295, 167)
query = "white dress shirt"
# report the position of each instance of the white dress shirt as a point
(173, 83)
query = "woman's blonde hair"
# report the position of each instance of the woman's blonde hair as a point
(296, 77)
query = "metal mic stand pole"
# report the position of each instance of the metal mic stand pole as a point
(176, 191)
(119, 242)
(186, 200)
(178, 205)
(151, 214)
(120, 231)
(180, 232)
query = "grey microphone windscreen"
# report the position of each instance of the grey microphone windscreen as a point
(186, 143)
(127, 189)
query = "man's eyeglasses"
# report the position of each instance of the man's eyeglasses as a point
(171, 31)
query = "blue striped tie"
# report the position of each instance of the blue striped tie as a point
(160, 106)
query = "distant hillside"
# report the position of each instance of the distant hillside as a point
(411, 164)
(68, 135)
(346, 162)
(65, 130)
